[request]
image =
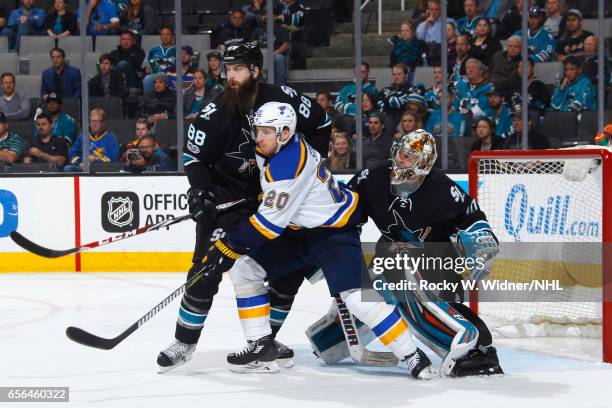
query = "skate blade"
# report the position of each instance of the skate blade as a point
(260, 367)
(428, 373)
(163, 370)
(285, 362)
(488, 371)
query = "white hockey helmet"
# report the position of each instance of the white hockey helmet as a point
(419, 149)
(277, 115)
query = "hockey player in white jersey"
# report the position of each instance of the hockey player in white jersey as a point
(304, 219)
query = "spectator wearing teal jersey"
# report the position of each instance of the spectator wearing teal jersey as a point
(345, 102)
(575, 92)
(161, 57)
(472, 92)
(494, 9)
(62, 125)
(467, 24)
(456, 121)
(499, 112)
(540, 42)
(406, 47)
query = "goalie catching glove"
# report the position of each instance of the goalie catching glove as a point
(479, 244)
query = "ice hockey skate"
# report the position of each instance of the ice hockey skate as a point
(419, 365)
(284, 355)
(478, 362)
(259, 356)
(175, 355)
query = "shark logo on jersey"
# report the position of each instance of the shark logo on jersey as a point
(409, 238)
(244, 154)
(403, 202)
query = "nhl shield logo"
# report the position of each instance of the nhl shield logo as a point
(120, 211)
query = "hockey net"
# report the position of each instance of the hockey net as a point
(551, 213)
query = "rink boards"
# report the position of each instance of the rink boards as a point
(65, 212)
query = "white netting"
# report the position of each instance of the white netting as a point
(547, 214)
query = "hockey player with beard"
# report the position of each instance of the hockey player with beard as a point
(305, 220)
(219, 159)
(416, 206)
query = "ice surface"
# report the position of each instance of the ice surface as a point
(35, 309)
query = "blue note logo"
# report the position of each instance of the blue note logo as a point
(9, 218)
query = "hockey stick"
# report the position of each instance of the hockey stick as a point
(358, 352)
(33, 247)
(91, 340)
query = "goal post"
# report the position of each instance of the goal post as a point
(539, 199)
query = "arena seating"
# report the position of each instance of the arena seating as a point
(562, 128)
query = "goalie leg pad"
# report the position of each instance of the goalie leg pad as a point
(384, 320)
(328, 340)
(439, 326)
(485, 338)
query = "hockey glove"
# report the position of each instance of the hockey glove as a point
(200, 205)
(221, 256)
(481, 246)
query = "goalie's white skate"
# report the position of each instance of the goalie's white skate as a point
(175, 355)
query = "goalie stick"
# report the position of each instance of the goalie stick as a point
(357, 350)
(33, 247)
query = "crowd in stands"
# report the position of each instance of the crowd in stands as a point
(141, 81)
(484, 76)
(485, 72)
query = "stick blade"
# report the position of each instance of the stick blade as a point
(90, 340)
(379, 358)
(37, 249)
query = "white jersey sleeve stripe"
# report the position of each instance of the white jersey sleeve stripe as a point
(265, 227)
(341, 217)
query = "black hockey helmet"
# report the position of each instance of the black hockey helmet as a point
(247, 53)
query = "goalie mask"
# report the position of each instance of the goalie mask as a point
(277, 115)
(412, 158)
